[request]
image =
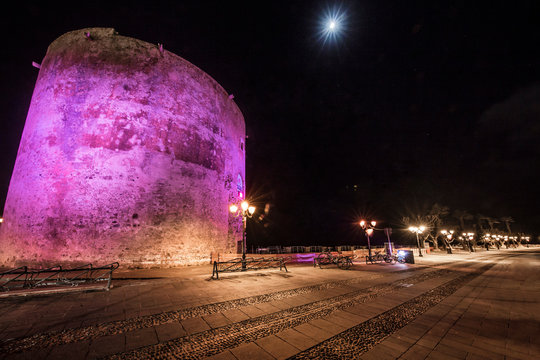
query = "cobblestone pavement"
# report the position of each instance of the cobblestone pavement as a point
(361, 338)
(483, 304)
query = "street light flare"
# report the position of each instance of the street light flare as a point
(244, 205)
(418, 230)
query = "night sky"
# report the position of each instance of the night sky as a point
(414, 103)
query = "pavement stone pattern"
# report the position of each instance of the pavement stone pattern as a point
(460, 306)
(363, 337)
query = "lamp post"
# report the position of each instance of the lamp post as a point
(497, 241)
(449, 235)
(245, 211)
(368, 228)
(418, 230)
(487, 241)
(469, 237)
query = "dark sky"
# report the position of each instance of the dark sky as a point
(416, 103)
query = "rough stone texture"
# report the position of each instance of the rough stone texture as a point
(129, 153)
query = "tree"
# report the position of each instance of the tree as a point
(507, 220)
(436, 214)
(491, 223)
(461, 216)
(480, 219)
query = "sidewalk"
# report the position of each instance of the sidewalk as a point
(495, 316)
(483, 304)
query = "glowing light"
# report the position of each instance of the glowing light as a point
(251, 210)
(333, 24)
(233, 208)
(417, 229)
(244, 205)
(373, 223)
(448, 233)
(362, 223)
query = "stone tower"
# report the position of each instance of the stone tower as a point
(129, 153)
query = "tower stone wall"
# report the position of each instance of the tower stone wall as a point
(129, 153)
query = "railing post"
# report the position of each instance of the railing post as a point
(215, 270)
(110, 279)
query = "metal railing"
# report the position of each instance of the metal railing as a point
(27, 278)
(239, 264)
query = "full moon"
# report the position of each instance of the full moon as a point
(332, 24)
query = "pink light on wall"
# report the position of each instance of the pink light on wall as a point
(129, 153)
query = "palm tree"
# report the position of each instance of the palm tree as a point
(491, 223)
(480, 221)
(507, 220)
(461, 216)
(436, 213)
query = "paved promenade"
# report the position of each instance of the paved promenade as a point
(483, 305)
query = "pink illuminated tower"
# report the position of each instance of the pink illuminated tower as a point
(129, 153)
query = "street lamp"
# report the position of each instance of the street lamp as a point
(418, 230)
(245, 211)
(368, 228)
(468, 237)
(449, 235)
(487, 241)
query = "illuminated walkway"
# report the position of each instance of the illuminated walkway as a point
(462, 306)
